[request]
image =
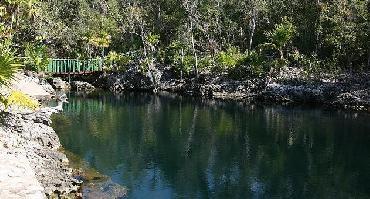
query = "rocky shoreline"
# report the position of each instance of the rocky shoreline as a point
(32, 165)
(32, 161)
(29, 137)
(288, 86)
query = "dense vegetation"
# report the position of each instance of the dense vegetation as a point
(241, 38)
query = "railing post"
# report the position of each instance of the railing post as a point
(74, 67)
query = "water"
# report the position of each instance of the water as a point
(173, 147)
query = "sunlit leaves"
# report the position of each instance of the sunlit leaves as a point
(20, 99)
(100, 40)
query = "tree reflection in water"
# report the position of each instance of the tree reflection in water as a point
(167, 146)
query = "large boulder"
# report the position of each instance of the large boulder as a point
(60, 84)
(81, 86)
(32, 86)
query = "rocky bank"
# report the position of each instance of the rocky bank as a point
(350, 91)
(32, 166)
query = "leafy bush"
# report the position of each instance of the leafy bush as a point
(20, 99)
(277, 64)
(100, 40)
(252, 65)
(311, 64)
(153, 39)
(37, 58)
(282, 35)
(116, 61)
(268, 51)
(207, 62)
(187, 66)
(256, 64)
(228, 59)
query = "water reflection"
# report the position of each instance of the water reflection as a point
(174, 147)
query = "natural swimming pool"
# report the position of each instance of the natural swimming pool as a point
(165, 146)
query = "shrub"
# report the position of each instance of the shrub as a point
(206, 62)
(268, 51)
(226, 60)
(311, 64)
(251, 65)
(37, 58)
(282, 35)
(188, 64)
(20, 99)
(116, 61)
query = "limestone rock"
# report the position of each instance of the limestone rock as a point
(60, 84)
(81, 86)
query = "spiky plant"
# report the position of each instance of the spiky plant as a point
(8, 63)
(8, 66)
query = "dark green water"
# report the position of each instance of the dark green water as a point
(172, 147)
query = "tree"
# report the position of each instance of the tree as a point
(282, 35)
(191, 8)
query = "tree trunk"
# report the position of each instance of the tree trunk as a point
(194, 50)
(182, 62)
(318, 29)
(252, 29)
(281, 53)
(368, 18)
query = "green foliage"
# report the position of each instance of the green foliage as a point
(20, 99)
(8, 63)
(252, 65)
(345, 33)
(174, 32)
(153, 39)
(100, 40)
(188, 64)
(282, 35)
(228, 59)
(112, 57)
(37, 58)
(117, 62)
(207, 63)
(179, 57)
(311, 64)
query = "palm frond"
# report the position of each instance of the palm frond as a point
(8, 64)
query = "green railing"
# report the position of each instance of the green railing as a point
(74, 66)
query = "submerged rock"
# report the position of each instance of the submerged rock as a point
(104, 190)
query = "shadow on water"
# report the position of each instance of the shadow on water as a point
(165, 146)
